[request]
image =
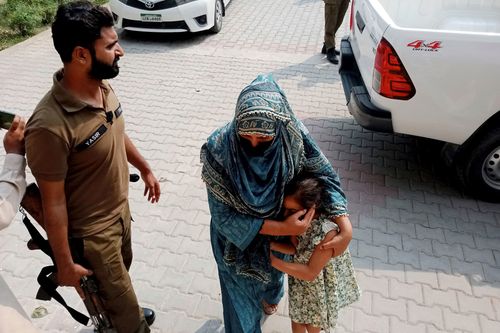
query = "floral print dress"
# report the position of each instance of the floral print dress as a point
(318, 302)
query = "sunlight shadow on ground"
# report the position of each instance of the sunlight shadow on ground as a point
(211, 326)
(312, 72)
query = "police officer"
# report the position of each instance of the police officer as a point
(334, 15)
(78, 151)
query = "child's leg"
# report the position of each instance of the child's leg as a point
(313, 329)
(298, 328)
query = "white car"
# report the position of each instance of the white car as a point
(169, 15)
(430, 69)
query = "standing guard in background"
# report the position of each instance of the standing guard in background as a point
(334, 15)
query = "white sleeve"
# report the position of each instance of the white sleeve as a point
(12, 187)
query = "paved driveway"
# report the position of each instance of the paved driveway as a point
(427, 258)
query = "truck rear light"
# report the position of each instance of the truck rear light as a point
(351, 17)
(390, 78)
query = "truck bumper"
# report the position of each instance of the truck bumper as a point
(358, 100)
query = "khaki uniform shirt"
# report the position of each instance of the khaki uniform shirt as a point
(67, 139)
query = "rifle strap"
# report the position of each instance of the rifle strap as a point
(47, 284)
(42, 243)
(50, 288)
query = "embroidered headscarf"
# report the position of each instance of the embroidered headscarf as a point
(254, 183)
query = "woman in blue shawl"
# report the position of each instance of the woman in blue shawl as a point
(246, 165)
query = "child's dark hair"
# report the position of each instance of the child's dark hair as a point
(78, 23)
(308, 191)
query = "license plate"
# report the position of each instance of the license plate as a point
(151, 17)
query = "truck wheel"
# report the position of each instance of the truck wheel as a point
(478, 167)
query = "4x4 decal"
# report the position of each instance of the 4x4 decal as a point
(421, 45)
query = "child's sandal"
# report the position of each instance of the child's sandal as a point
(269, 309)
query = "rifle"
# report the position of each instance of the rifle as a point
(32, 204)
(94, 306)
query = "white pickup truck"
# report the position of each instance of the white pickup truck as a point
(430, 68)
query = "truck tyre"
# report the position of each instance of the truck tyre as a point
(478, 166)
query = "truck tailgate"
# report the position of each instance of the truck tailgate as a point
(370, 21)
(451, 73)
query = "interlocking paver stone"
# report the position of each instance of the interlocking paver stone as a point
(425, 314)
(382, 269)
(403, 326)
(369, 323)
(411, 291)
(427, 257)
(440, 297)
(389, 307)
(439, 263)
(428, 277)
(456, 321)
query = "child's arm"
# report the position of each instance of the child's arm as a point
(308, 271)
(283, 247)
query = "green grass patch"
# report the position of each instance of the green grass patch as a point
(20, 19)
(9, 38)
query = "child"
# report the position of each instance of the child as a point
(318, 285)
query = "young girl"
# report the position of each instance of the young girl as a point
(318, 285)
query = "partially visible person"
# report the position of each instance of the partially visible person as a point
(12, 188)
(13, 176)
(78, 150)
(318, 285)
(334, 15)
(246, 166)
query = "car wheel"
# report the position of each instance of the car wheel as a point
(219, 10)
(478, 167)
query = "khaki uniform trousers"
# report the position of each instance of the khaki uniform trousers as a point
(109, 255)
(334, 15)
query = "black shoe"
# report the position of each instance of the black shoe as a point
(331, 55)
(323, 50)
(149, 315)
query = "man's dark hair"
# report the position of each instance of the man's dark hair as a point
(78, 23)
(308, 191)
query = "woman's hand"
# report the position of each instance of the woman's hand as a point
(297, 226)
(339, 242)
(293, 225)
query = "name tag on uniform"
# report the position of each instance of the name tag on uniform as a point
(92, 138)
(118, 111)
